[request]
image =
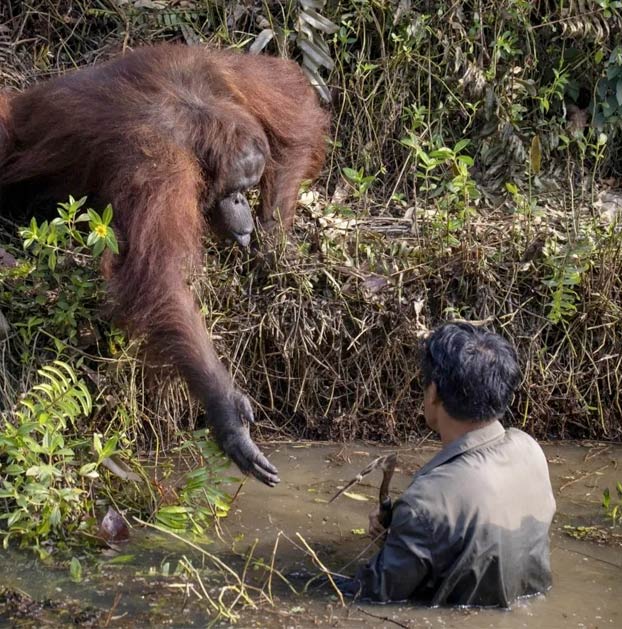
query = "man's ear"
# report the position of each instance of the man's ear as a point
(434, 398)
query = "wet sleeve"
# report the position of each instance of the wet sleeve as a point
(404, 562)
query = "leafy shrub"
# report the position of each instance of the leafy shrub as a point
(55, 474)
(40, 448)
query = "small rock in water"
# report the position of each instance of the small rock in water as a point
(113, 528)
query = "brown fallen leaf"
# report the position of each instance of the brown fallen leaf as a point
(6, 259)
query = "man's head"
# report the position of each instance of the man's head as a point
(469, 373)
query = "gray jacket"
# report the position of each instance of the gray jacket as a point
(472, 528)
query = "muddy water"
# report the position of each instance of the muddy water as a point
(138, 587)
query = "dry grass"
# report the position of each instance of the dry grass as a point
(325, 333)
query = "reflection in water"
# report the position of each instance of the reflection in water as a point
(134, 586)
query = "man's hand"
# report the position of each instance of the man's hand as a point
(376, 530)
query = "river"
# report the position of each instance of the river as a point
(158, 580)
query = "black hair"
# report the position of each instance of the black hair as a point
(475, 371)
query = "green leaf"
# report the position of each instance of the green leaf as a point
(94, 216)
(424, 157)
(97, 443)
(174, 509)
(613, 71)
(55, 516)
(462, 144)
(619, 92)
(75, 570)
(111, 242)
(79, 203)
(99, 247)
(351, 174)
(121, 559)
(89, 470)
(16, 516)
(442, 153)
(467, 160)
(606, 498)
(107, 215)
(110, 447)
(174, 516)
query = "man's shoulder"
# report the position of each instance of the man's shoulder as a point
(522, 436)
(528, 446)
(476, 470)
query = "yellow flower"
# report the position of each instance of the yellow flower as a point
(101, 230)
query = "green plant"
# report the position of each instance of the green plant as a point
(608, 105)
(46, 461)
(445, 170)
(53, 472)
(44, 486)
(569, 261)
(444, 176)
(58, 283)
(62, 236)
(613, 506)
(201, 498)
(361, 182)
(554, 91)
(609, 6)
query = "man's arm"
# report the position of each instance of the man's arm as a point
(403, 563)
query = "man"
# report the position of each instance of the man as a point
(472, 528)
